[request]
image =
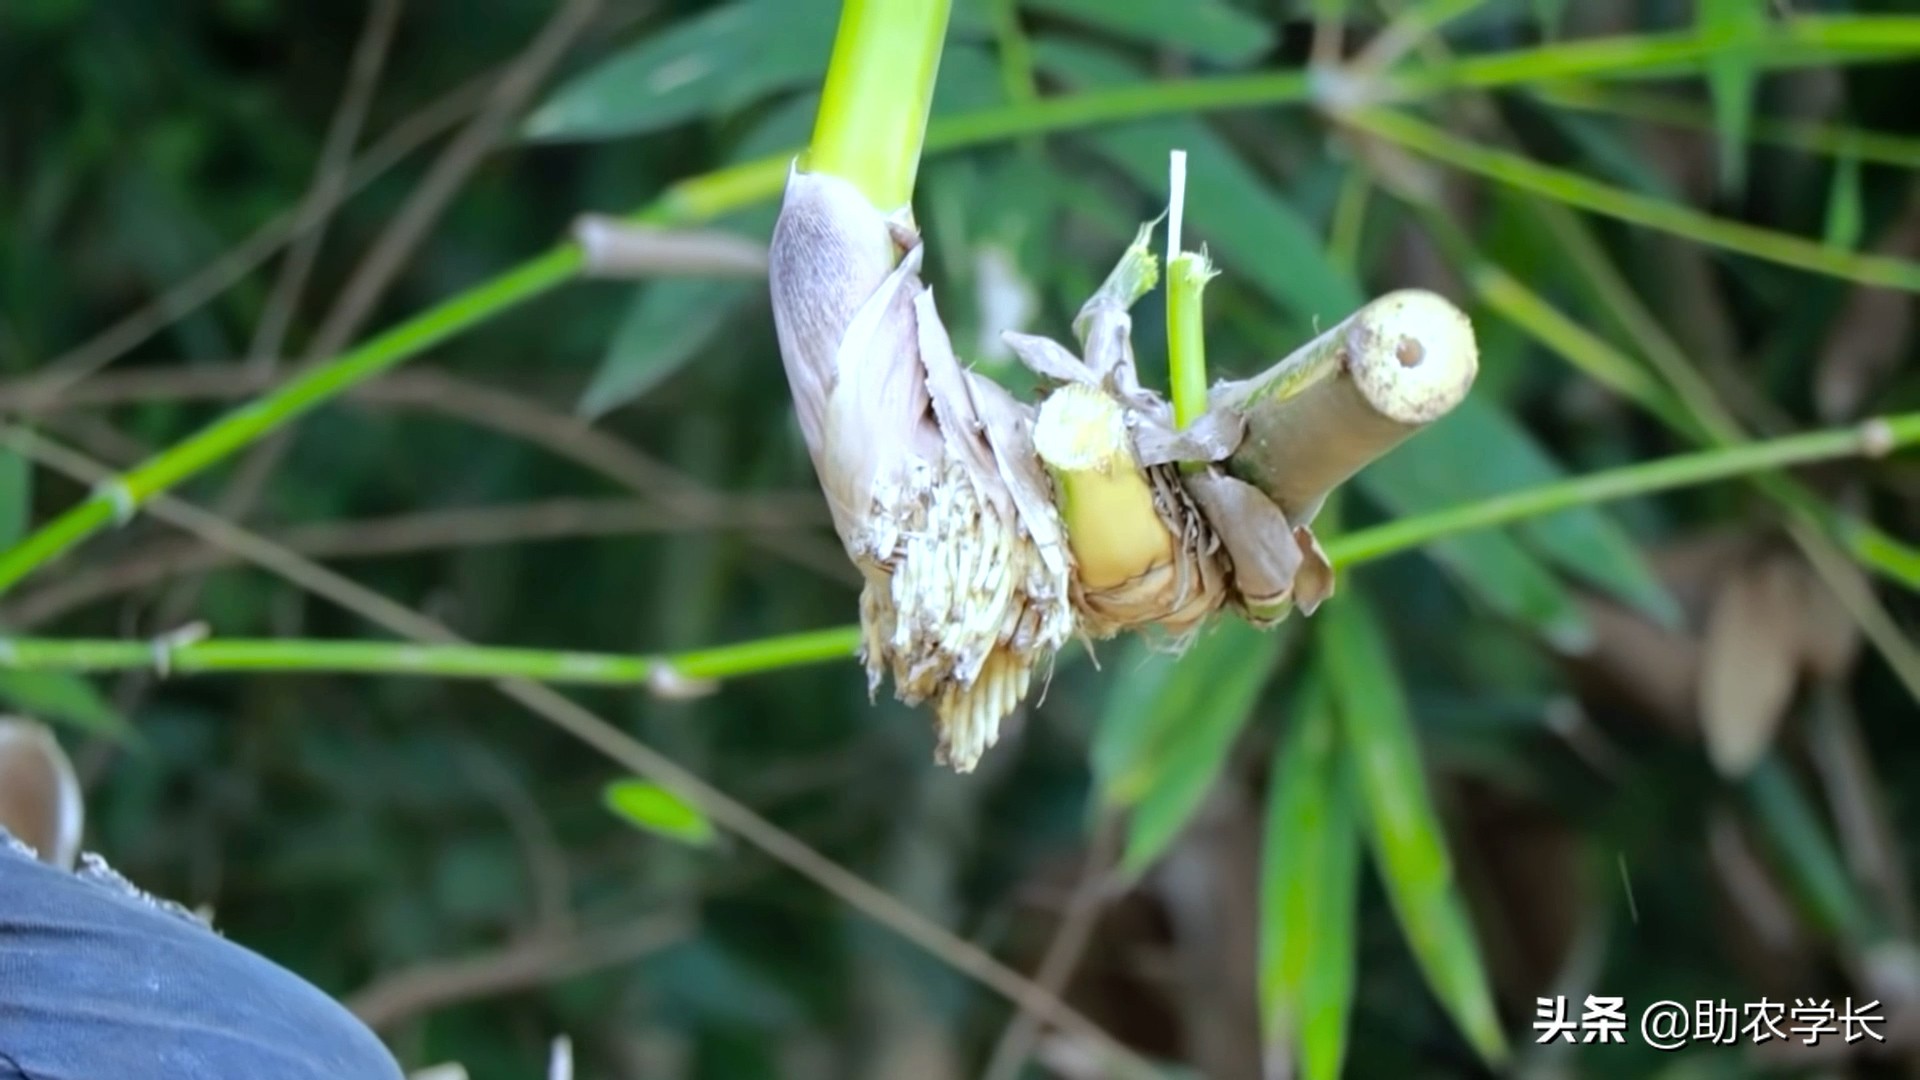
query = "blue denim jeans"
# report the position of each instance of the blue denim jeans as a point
(99, 981)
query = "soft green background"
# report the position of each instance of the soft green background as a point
(1566, 829)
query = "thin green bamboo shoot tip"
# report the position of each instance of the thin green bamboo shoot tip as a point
(1187, 276)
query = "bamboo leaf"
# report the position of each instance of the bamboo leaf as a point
(1732, 74)
(1802, 846)
(1507, 578)
(1480, 451)
(970, 19)
(16, 495)
(968, 80)
(654, 809)
(65, 699)
(1813, 137)
(1408, 842)
(1208, 29)
(706, 65)
(1168, 726)
(668, 323)
(671, 320)
(1686, 222)
(1308, 891)
(1750, 662)
(1549, 13)
(1490, 565)
(1329, 11)
(1611, 154)
(1845, 215)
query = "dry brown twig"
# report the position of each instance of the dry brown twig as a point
(381, 266)
(462, 527)
(1084, 906)
(71, 368)
(330, 178)
(614, 248)
(508, 412)
(726, 812)
(394, 999)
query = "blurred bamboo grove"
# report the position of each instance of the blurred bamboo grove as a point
(1655, 745)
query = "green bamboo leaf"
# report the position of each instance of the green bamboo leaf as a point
(1732, 75)
(1422, 18)
(710, 64)
(1480, 451)
(1309, 877)
(970, 19)
(969, 80)
(1169, 724)
(1610, 153)
(16, 495)
(63, 699)
(1845, 216)
(1409, 845)
(666, 326)
(1507, 578)
(1245, 224)
(1588, 194)
(1806, 852)
(1549, 13)
(1330, 11)
(669, 322)
(1208, 29)
(652, 808)
(1813, 137)
(783, 126)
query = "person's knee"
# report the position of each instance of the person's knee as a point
(103, 982)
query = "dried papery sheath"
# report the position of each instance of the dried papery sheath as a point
(928, 469)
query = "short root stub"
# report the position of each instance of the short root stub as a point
(1113, 529)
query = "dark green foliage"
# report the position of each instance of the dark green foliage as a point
(1496, 760)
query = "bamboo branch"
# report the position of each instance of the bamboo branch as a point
(403, 995)
(1349, 396)
(117, 500)
(170, 655)
(1875, 438)
(641, 759)
(1872, 439)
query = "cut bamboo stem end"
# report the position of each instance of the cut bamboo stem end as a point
(1350, 395)
(1105, 501)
